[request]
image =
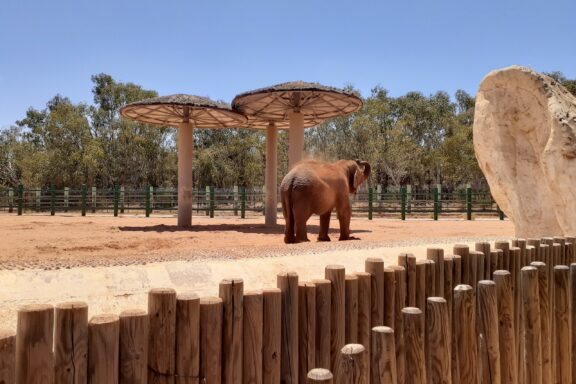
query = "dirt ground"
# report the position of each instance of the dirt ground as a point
(48, 242)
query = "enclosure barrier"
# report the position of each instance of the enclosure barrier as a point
(495, 314)
(240, 200)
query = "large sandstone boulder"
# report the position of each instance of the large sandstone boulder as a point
(525, 143)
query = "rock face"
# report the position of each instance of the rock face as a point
(525, 143)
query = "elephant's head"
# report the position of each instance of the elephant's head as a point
(358, 171)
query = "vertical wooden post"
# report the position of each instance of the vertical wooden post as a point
(562, 250)
(375, 266)
(232, 295)
(573, 318)
(465, 333)
(488, 317)
(437, 255)
(544, 310)
(438, 337)
(103, 349)
(484, 247)
(133, 361)
(252, 338)
(572, 241)
(389, 297)
(463, 251)
(71, 342)
(319, 375)
(34, 341)
(421, 283)
(561, 340)
(520, 243)
(506, 328)
(288, 284)
(476, 266)
(408, 261)
(495, 260)
(323, 305)
(307, 329)
(211, 311)
(414, 342)
(383, 356)
(449, 284)
(399, 303)
(532, 359)
(351, 367)
(335, 273)
(187, 338)
(162, 340)
(7, 357)
(351, 312)
(505, 247)
(364, 318)
(271, 338)
(457, 272)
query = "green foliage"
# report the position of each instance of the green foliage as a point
(559, 77)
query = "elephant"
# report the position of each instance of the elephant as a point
(317, 187)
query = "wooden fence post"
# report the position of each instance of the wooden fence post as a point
(71, 342)
(134, 334)
(271, 335)
(421, 275)
(252, 339)
(532, 359)
(438, 335)
(464, 324)
(484, 247)
(437, 255)
(232, 295)
(463, 251)
(383, 356)
(364, 318)
(336, 275)
(389, 297)
(34, 341)
(488, 317)
(351, 311)
(414, 342)
(506, 328)
(375, 266)
(307, 329)
(351, 367)
(449, 284)
(187, 338)
(573, 312)
(162, 337)
(323, 305)
(211, 312)
(7, 357)
(408, 261)
(561, 341)
(319, 376)
(288, 284)
(103, 349)
(545, 308)
(399, 303)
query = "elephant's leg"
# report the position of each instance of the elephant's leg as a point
(324, 225)
(344, 215)
(300, 223)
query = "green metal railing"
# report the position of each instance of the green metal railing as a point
(239, 201)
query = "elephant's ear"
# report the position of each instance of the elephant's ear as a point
(358, 178)
(352, 177)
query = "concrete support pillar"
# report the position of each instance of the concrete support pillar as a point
(185, 151)
(271, 174)
(296, 138)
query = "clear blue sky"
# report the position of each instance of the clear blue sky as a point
(220, 48)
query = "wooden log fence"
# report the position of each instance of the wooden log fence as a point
(516, 326)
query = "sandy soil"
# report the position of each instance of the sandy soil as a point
(111, 263)
(72, 241)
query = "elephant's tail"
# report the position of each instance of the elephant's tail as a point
(288, 211)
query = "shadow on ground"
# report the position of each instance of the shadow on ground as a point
(243, 228)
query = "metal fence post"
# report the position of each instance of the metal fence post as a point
(10, 200)
(243, 203)
(148, 201)
(370, 198)
(20, 199)
(468, 202)
(52, 200)
(403, 203)
(212, 202)
(436, 204)
(207, 199)
(116, 200)
(83, 199)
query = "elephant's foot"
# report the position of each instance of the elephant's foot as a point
(344, 238)
(324, 238)
(302, 240)
(289, 239)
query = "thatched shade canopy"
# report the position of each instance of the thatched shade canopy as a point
(316, 102)
(174, 110)
(185, 112)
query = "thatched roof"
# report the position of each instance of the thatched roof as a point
(177, 109)
(315, 101)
